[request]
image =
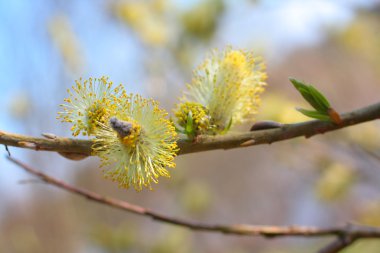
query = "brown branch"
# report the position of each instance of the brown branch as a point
(339, 244)
(203, 143)
(236, 229)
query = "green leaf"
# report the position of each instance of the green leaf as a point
(297, 84)
(311, 95)
(189, 122)
(189, 129)
(178, 128)
(314, 114)
(227, 127)
(319, 97)
(305, 92)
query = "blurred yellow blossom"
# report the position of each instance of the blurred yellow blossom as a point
(334, 182)
(369, 214)
(67, 43)
(201, 21)
(279, 108)
(146, 18)
(196, 197)
(367, 135)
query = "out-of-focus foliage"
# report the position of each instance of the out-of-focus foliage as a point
(369, 215)
(279, 108)
(201, 21)
(160, 24)
(156, 21)
(197, 28)
(173, 240)
(196, 197)
(119, 238)
(65, 39)
(367, 246)
(147, 18)
(20, 106)
(27, 235)
(367, 135)
(334, 182)
(363, 37)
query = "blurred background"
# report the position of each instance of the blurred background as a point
(152, 47)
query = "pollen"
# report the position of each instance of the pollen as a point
(90, 103)
(127, 131)
(132, 138)
(139, 141)
(228, 84)
(96, 113)
(235, 59)
(199, 115)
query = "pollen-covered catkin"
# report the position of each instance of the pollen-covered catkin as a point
(90, 102)
(139, 141)
(227, 85)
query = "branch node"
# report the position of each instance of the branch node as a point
(49, 136)
(73, 156)
(247, 143)
(27, 144)
(265, 124)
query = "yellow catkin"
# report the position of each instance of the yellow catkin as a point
(199, 114)
(228, 85)
(143, 154)
(91, 101)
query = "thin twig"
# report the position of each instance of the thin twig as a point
(7, 149)
(203, 142)
(31, 181)
(368, 152)
(236, 229)
(339, 244)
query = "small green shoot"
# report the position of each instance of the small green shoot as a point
(315, 98)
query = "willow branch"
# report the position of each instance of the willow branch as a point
(203, 142)
(350, 231)
(339, 244)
